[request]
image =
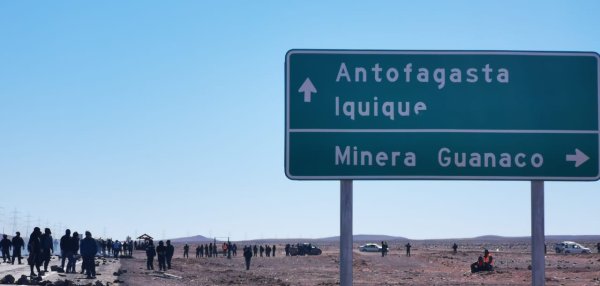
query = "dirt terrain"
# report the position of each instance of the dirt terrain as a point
(430, 264)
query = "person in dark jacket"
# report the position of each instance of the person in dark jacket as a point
(161, 252)
(47, 246)
(35, 251)
(170, 252)
(186, 250)
(150, 253)
(247, 256)
(65, 243)
(89, 248)
(18, 244)
(73, 247)
(6, 245)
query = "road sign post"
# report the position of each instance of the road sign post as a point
(538, 239)
(346, 238)
(464, 115)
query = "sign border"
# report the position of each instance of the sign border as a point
(428, 52)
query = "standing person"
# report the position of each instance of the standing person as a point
(408, 246)
(382, 248)
(455, 247)
(255, 250)
(116, 248)
(197, 251)
(103, 246)
(229, 249)
(89, 248)
(161, 252)
(234, 249)
(150, 253)
(287, 249)
(201, 250)
(597, 245)
(6, 245)
(170, 252)
(262, 250)
(35, 251)
(186, 250)
(215, 252)
(206, 250)
(18, 244)
(47, 245)
(247, 256)
(273, 250)
(73, 249)
(130, 248)
(65, 243)
(224, 248)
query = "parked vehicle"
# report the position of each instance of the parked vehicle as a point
(304, 249)
(370, 247)
(570, 247)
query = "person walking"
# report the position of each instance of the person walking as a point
(150, 253)
(89, 248)
(47, 246)
(65, 243)
(17, 244)
(35, 251)
(161, 252)
(170, 253)
(6, 245)
(247, 256)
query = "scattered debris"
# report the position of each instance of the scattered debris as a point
(8, 279)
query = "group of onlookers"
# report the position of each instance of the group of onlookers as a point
(164, 253)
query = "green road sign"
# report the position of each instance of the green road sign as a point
(500, 115)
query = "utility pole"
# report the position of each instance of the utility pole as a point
(15, 215)
(28, 222)
(2, 218)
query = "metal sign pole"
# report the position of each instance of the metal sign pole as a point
(346, 232)
(538, 275)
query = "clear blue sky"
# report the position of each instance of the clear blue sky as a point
(167, 117)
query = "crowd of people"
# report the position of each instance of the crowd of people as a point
(41, 247)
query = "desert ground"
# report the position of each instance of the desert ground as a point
(431, 263)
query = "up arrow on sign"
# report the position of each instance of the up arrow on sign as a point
(307, 88)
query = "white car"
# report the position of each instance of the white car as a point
(570, 247)
(370, 247)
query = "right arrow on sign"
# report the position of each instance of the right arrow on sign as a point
(579, 158)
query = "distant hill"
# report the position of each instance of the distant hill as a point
(192, 239)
